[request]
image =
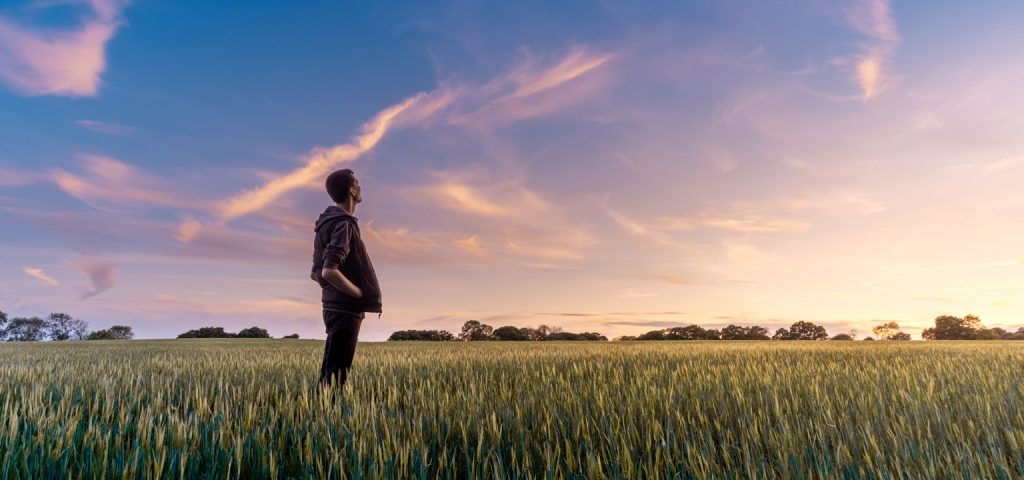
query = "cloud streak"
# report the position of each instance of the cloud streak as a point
(108, 128)
(109, 184)
(40, 275)
(101, 273)
(321, 161)
(874, 19)
(53, 62)
(505, 93)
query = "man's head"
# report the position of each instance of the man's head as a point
(343, 184)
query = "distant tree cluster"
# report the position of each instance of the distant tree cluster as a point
(218, 332)
(57, 327)
(473, 330)
(968, 327)
(798, 331)
(422, 335)
(117, 332)
(890, 331)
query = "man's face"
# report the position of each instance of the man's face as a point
(356, 191)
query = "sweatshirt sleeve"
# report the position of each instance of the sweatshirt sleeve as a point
(337, 249)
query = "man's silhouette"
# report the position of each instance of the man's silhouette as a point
(342, 268)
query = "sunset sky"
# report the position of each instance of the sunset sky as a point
(600, 166)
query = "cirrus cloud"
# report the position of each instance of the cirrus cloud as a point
(36, 61)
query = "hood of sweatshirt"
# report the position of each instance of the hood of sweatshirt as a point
(330, 215)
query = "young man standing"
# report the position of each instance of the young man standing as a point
(342, 268)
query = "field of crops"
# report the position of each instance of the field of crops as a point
(246, 408)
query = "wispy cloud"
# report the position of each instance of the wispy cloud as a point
(109, 128)
(535, 88)
(752, 223)
(673, 279)
(59, 62)
(102, 274)
(646, 323)
(109, 184)
(874, 19)
(506, 92)
(400, 244)
(457, 192)
(748, 255)
(609, 314)
(17, 178)
(633, 227)
(986, 168)
(39, 274)
(320, 161)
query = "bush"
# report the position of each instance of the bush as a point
(423, 335)
(207, 332)
(253, 332)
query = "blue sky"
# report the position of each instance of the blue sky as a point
(601, 166)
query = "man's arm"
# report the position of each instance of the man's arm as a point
(334, 255)
(338, 279)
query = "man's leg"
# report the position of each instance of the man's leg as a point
(343, 333)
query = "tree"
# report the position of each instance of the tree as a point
(868, 339)
(652, 335)
(79, 329)
(423, 335)
(736, 332)
(207, 332)
(122, 332)
(989, 334)
(782, 334)
(890, 331)
(510, 333)
(26, 330)
(116, 332)
(885, 330)
(253, 332)
(544, 330)
(948, 327)
(294, 335)
(842, 336)
(61, 326)
(474, 330)
(576, 336)
(807, 331)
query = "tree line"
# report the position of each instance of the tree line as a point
(57, 327)
(947, 327)
(219, 332)
(474, 330)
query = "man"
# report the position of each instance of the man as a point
(342, 268)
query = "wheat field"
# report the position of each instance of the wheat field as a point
(717, 409)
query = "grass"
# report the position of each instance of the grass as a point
(247, 409)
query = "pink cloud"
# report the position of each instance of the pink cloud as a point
(40, 275)
(101, 273)
(109, 128)
(53, 62)
(320, 161)
(873, 18)
(109, 184)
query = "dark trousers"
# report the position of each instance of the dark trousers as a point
(342, 333)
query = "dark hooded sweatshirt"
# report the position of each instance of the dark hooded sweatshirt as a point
(338, 244)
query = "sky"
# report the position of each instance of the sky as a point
(607, 166)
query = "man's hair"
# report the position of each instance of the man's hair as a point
(338, 184)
